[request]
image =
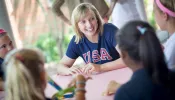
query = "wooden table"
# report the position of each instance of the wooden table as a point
(94, 87)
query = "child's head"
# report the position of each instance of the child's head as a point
(25, 75)
(165, 13)
(139, 45)
(86, 20)
(6, 44)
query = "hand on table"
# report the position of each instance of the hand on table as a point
(87, 69)
(91, 68)
(111, 88)
(65, 72)
(76, 69)
(73, 82)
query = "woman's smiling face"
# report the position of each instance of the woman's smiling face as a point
(88, 25)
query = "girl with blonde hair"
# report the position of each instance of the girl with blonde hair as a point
(25, 75)
(94, 41)
(165, 17)
(6, 45)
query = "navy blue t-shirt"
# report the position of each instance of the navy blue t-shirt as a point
(1, 69)
(141, 87)
(98, 53)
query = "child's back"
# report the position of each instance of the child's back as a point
(141, 51)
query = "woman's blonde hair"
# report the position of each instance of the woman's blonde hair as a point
(80, 12)
(23, 75)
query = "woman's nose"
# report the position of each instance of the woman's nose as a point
(88, 24)
(10, 48)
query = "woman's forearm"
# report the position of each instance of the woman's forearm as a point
(117, 64)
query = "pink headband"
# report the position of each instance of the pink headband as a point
(164, 9)
(2, 31)
(19, 57)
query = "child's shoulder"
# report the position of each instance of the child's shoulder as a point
(109, 27)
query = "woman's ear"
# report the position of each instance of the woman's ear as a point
(164, 16)
(123, 54)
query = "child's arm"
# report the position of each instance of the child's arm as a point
(1, 85)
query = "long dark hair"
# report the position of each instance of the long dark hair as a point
(143, 46)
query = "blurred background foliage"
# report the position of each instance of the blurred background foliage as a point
(48, 44)
(150, 13)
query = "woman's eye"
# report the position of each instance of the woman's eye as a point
(10, 43)
(82, 22)
(3, 46)
(93, 18)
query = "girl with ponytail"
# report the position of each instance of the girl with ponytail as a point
(25, 75)
(141, 51)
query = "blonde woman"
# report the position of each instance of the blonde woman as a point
(25, 75)
(94, 41)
